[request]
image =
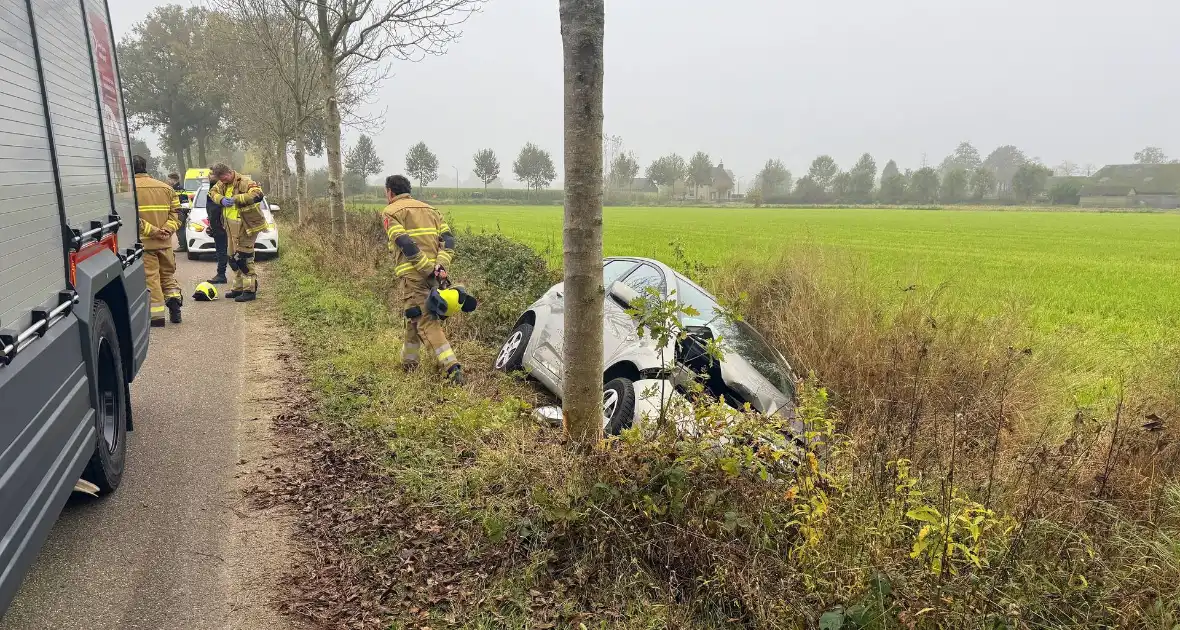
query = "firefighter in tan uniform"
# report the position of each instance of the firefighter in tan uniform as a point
(159, 208)
(239, 197)
(422, 246)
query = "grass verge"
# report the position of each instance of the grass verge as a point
(430, 505)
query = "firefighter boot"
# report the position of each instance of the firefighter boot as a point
(249, 278)
(455, 375)
(236, 287)
(218, 279)
(173, 304)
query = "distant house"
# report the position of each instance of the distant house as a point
(722, 183)
(1133, 186)
(720, 189)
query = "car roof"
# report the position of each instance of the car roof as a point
(666, 269)
(639, 259)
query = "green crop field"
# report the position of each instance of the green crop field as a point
(1110, 280)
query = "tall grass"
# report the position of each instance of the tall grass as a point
(945, 389)
(942, 490)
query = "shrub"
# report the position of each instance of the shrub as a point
(1065, 194)
(504, 275)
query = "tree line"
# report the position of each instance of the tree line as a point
(533, 165)
(962, 176)
(1006, 174)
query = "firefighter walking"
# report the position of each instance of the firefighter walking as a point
(239, 196)
(159, 207)
(422, 245)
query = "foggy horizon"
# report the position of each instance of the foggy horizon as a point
(902, 80)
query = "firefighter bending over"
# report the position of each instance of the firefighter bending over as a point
(159, 207)
(422, 246)
(239, 196)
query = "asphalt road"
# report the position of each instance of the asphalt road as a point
(158, 553)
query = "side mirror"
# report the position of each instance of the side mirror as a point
(622, 294)
(274, 207)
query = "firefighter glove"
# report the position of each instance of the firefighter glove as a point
(227, 201)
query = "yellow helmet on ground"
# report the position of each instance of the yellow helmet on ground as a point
(205, 292)
(444, 303)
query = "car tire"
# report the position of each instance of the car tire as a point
(618, 405)
(194, 256)
(105, 468)
(511, 355)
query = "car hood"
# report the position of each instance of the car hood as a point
(740, 375)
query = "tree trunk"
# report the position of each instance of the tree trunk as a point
(178, 155)
(188, 154)
(300, 175)
(283, 170)
(335, 165)
(202, 148)
(582, 24)
(276, 170)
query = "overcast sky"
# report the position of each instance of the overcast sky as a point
(1091, 81)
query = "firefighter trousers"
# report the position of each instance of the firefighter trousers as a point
(422, 329)
(159, 265)
(241, 255)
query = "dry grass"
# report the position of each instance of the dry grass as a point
(1084, 527)
(961, 394)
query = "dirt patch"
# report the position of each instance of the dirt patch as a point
(261, 536)
(345, 506)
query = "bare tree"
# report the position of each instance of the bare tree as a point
(355, 34)
(582, 23)
(611, 146)
(285, 47)
(262, 116)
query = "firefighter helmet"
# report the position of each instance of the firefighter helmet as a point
(447, 302)
(205, 292)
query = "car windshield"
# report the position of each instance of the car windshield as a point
(736, 337)
(194, 183)
(201, 195)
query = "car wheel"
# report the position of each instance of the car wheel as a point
(511, 355)
(194, 256)
(618, 405)
(105, 468)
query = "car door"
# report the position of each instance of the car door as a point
(549, 340)
(620, 336)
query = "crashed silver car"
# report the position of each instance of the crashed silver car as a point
(639, 378)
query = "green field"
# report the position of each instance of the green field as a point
(1110, 280)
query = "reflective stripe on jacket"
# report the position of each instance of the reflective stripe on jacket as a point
(415, 232)
(246, 194)
(159, 208)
